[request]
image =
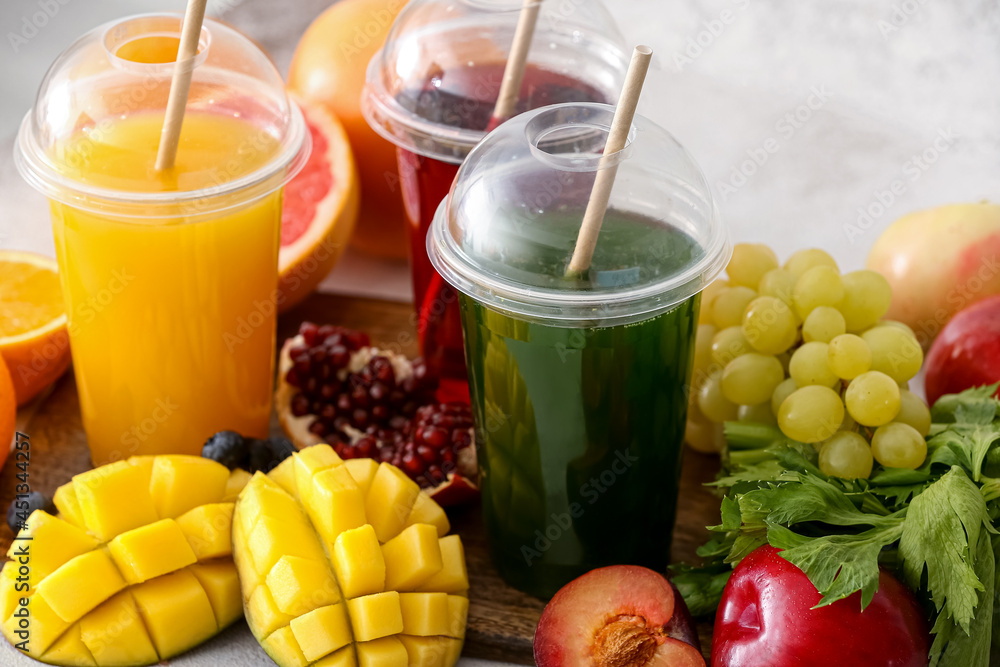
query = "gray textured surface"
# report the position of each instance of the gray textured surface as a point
(892, 82)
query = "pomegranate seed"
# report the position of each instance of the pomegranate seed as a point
(348, 452)
(360, 418)
(333, 339)
(435, 437)
(317, 354)
(308, 330)
(340, 423)
(300, 405)
(328, 412)
(461, 438)
(326, 370)
(380, 412)
(311, 386)
(385, 453)
(435, 474)
(324, 331)
(365, 447)
(344, 402)
(399, 422)
(447, 456)
(444, 420)
(302, 364)
(339, 355)
(378, 391)
(412, 465)
(292, 378)
(428, 454)
(359, 396)
(318, 428)
(358, 340)
(328, 391)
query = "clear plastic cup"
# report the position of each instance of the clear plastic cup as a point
(169, 277)
(431, 91)
(579, 385)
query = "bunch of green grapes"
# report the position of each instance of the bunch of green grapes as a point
(805, 348)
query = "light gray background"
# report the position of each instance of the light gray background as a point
(887, 78)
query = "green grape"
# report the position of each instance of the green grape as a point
(803, 260)
(846, 455)
(913, 411)
(757, 414)
(898, 325)
(768, 325)
(750, 379)
(811, 414)
(867, 295)
(848, 356)
(729, 344)
(819, 286)
(809, 366)
(872, 398)
(703, 346)
(781, 392)
(823, 324)
(897, 445)
(750, 261)
(778, 283)
(730, 304)
(708, 296)
(711, 401)
(894, 352)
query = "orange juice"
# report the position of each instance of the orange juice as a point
(171, 319)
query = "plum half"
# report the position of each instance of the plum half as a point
(617, 616)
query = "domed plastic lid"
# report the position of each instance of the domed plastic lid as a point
(506, 231)
(92, 136)
(432, 87)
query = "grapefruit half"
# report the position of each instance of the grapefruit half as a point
(319, 210)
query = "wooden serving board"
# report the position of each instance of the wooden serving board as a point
(501, 620)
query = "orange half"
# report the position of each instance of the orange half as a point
(33, 339)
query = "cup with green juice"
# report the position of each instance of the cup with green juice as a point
(578, 380)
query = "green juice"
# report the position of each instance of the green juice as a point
(580, 429)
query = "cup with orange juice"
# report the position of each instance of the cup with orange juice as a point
(169, 276)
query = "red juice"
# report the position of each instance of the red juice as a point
(463, 99)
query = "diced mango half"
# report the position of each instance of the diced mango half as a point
(412, 557)
(114, 583)
(237, 480)
(363, 529)
(144, 553)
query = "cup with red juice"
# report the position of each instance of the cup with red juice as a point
(431, 91)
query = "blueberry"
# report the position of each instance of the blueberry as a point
(261, 456)
(21, 508)
(282, 448)
(228, 448)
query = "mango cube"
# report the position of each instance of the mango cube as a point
(273, 538)
(284, 475)
(453, 577)
(80, 585)
(345, 657)
(358, 562)
(261, 498)
(322, 631)
(150, 551)
(176, 612)
(44, 627)
(390, 500)
(10, 597)
(425, 614)
(61, 539)
(209, 530)
(335, 503)
(69, 650)
(412, 557)
(283, 649)
(115, 498)
(115, 634)
(299, 585)
(250, 577)
(181, 483)
(263, 614)
(458, 616)
(363, 471)
(426, 510)
(375, 616)
(221, 582)
(387, 652)
(426, 651)
(69, 509)
(310, 461)
(234, 485)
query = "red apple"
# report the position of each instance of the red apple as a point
(766, 619)
(966, 353)
(623, 615)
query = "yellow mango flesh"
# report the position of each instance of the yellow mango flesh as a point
(135, 569)
(295, 544)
